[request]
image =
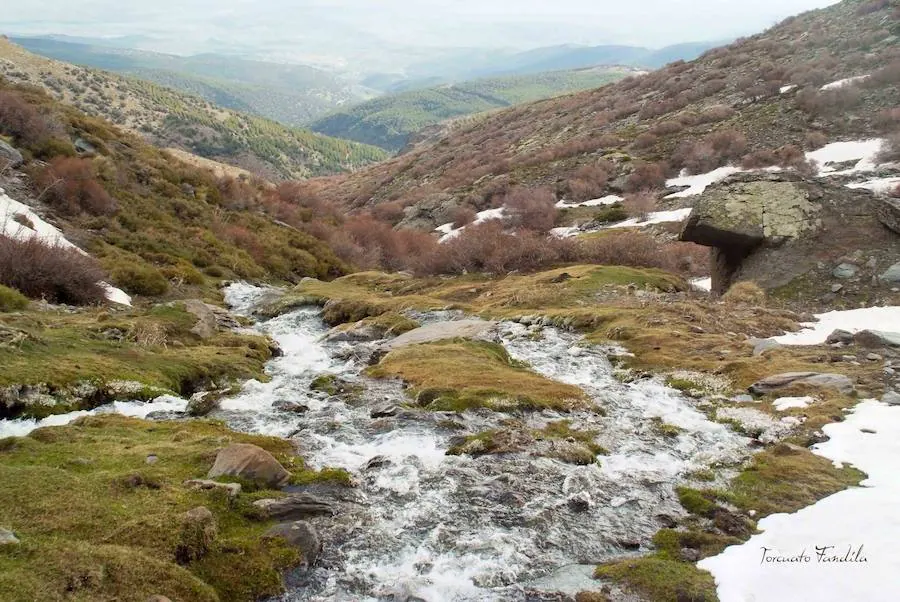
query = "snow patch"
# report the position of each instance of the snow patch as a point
(852, 320)
(786, 89)
(19, 222)
(864, 152)
(657, 217)
(565, 232)
(450, 233)
(861, 516)
(786, 403)
(702, 284)
(610, 199)
(878, 185)
(844, 82)
(698, 183)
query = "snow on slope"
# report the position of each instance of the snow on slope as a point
(859, 524)
(844, 82)
(610, 199)
(19, 221)
(698, 183)
(657, 217)
(864, 152)
(449, 232)
(853, 320)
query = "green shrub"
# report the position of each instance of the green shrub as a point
(141, 280)
(11, 299)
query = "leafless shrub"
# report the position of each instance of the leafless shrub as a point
(640, 204)
(531, 209)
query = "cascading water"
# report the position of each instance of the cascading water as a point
(422, 525)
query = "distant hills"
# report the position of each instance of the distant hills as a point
(391, 120)
(170, 118)
(288, 93)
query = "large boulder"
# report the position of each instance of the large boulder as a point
(439, 331)
(250, 463)
(300, 535)
(9, 157)
(877, 339)
(780, 228)
(773, 383)
(891, 275)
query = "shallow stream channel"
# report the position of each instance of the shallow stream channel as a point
(422, 525)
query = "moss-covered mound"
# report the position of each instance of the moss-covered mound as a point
(98, 522)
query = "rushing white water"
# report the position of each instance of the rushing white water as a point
(422, 525)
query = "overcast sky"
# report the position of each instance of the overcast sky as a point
(186, 25)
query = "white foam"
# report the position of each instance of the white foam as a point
(866, 516)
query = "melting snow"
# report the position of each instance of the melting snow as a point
(610, 199)
(864, 517)
(785, 403)
(698, 183)
(786, 89)
(878, 185)
(566, 232)
(702, 284)
(844, 82)
(20, 222)
(449, 232)
(853, 320)
(864, 152)
(657, 217)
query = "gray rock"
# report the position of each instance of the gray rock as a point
(294, 507)
(836, 288)
(888, 212)
(231, 489)
(8, 538)
(300, 535)
(743, 399)
(845, 271)
(763, 345)
(892, 398)
(874, 357)
(251, 463)
(813, 379)
(152, 459)
(202, 403)
(287, 405)
(376, 462)
(439, 331)
(891, 275)
(9, 157)
(877, 338)
(839, 336)
(385, 411)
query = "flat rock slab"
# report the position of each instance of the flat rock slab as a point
(294, 507)
(457, 329)
(813, 379)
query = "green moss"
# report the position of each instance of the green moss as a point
(11, 299)
(459, 374)
(562, 429)
(696, 502)
(661, 579)
(116, 539)
(664, 429)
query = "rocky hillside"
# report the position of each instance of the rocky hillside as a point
(173, 119)
(389, 121)
(736, 104)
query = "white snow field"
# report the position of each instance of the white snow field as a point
(19, 221)
(844, 82)
(886, 319)
(841, 548)
(864, 152)
(449, 232)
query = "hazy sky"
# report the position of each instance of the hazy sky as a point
(353, 27)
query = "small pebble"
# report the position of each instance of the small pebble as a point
(152, 459)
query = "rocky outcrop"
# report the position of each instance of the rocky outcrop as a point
(770, 384)
(210, 319)
(9, 157)
(774, 228)
(251, 463)
(40, 399)
(889, 214)
(877, 339)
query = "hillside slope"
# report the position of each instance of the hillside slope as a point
(739, 103)
(169, 118)
(290, 94)
(389, 121)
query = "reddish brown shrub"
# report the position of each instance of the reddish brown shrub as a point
(890, 151)
(588, 182)
(22, 121)
(717, 113)
(488, 248)
(42, 271)
(888, 119)
(531, 209)
(640, 204)
(645, 140)
(666, 128)
(236, 193)
(70, 186)
(391, 213)
(872, 6)
(646, 176)
(815, 140)
(759, 159)
(463, 216)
